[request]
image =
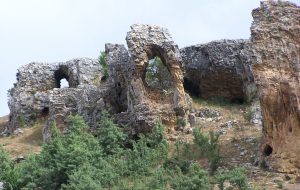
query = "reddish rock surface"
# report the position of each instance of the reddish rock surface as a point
(275, 34)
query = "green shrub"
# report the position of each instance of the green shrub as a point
(209, 147)
(61, 157)
(102, 62)
(111, 137)
(148, 151)
(78, 160)
(248, 114)
(195, 179)
(91, 177)
(8, 175)
(235, 177)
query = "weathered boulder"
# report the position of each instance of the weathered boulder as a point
(219, 69)
(275, 34)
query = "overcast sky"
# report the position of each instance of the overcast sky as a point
(59, 30)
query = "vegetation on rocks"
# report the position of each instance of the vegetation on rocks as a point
(103, 63)
(80, 160)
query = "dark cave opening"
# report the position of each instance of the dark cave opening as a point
(45, 112)
(267, 150)
(190, 87)
(63, 78)
(237, 100)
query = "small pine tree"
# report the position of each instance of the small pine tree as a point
(111, 137)
(7, 173)
(235, 177)
(102, 62)
(209, 147)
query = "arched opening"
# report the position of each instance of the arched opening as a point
(64, 83)
(158, 79)
(191, 87)
(45, 112)
(267, 150)
(157, 75)
(63, 78)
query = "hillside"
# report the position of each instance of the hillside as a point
(239, 142)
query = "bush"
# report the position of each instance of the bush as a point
(90, 177)
(195, 179)
(235, 177)
(61, 157)
(248, 114)
(111, 137)
(209, 147)
(78, 160)
(102, 62)
(150, 150)
(7, 173)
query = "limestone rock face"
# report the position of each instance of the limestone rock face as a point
(219, 69)
(120, 69)
(123, 93)
(144, 43)
(275, 34)
(37, 92)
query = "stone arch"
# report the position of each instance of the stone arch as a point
(63, 72)
(156, 52)
(147, 41)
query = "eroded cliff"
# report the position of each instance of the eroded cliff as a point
(275, 34)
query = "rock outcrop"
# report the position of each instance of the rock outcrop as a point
(37, 92)
(275, 34)
(123, 93)
(219, 69)
(144, 43)
(147, 105)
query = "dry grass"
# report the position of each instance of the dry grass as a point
(238, 145)
(23, 144)
(3, 122)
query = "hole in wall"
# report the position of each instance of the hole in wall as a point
(190, 87)
(45, 112)
(64, 83)
(63, 78)
(157, 75)
(267, 150)
(158, 81)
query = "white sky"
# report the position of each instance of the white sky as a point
(59, 30)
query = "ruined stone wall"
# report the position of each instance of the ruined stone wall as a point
(33, 93)
(275, 34)
(219, 69)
